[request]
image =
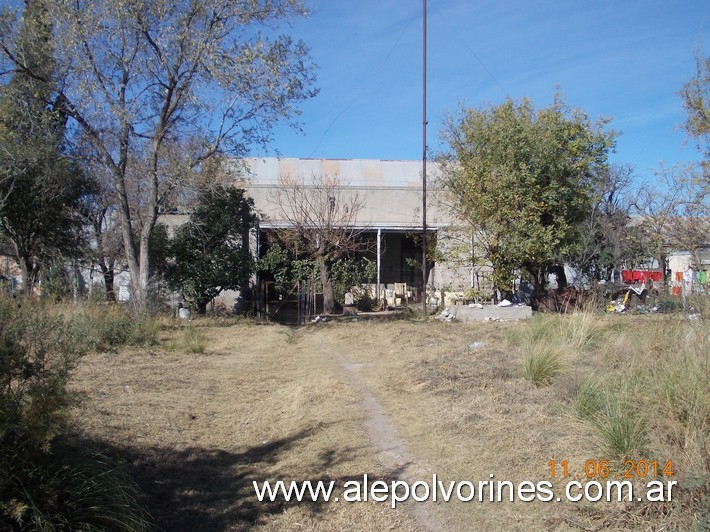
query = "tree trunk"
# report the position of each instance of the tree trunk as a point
(539, 277)
(137, 257)
(328, 292)
(108, 275)
(202, 307)
(26, 268)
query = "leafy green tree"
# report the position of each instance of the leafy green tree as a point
(285, 268)
(42, 190)
(346, 273)
(351, 273)
(210, 253)
(159, 87)
(523, 180)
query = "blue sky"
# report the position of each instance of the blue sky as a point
(625, 60)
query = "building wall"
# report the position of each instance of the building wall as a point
(391, 190)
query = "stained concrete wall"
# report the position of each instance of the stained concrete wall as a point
(489, 313)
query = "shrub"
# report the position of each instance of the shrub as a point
(669, 305)
(104, 327)
(45, 485)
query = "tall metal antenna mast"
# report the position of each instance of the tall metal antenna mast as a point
(424, 124)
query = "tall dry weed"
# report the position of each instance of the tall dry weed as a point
(648, 393)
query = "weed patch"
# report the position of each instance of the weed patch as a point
(46, 485)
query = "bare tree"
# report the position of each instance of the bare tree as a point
(674, 213)
(321, 215)
(102, 222)
(145, 79)
(607, 238)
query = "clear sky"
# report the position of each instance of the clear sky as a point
(623, 59)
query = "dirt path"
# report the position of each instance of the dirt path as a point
(391, 451)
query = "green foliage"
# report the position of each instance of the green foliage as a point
(69, 489)
(540, 349)
(348, 274)
(104, 327)
(524, 180)
(622, 431)
(669, 304)
(542, 362)
(286, 270)
(640, 383)
(476, 295)
(209, 253)
(191, 340)
(41, 189)
(55, 285)
(590, 399)
(193, 82)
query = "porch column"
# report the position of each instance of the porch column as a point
(379, 237)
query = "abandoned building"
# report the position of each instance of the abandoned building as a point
(388, 196)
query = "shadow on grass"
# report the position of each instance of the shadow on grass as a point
(211, 489)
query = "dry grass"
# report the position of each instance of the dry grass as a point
(269, 402)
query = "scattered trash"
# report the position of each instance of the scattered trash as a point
(475, 305)
(318, 318)
(638, 290)
(445, 315)
(615, 306)
(504, 303)
(476, 345)
(693, 317)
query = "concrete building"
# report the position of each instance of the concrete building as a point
(391, 214)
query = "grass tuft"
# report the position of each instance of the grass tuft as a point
(539, 341)
(542, 362)
(190, 339)
(624, 433)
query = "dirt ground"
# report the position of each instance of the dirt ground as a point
(392, 399)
